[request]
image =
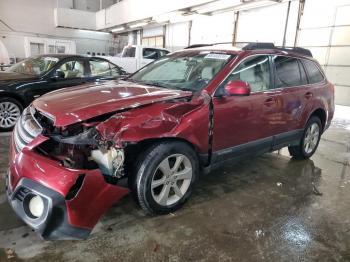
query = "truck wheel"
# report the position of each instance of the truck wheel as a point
(10, 111)
(310, 140)
(166, 174)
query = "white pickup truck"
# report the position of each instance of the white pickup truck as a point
(134, 57)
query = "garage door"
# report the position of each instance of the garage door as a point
(176, 36)
(327, 34)
(267, 24)
(212, 29)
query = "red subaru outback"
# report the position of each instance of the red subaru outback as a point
(73, 151)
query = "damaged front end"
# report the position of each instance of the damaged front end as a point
(81, 147)
(64, 175)
(62, 180)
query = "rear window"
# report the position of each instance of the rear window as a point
(314, 73)
(287, 72)
(150, 53)
(129, 52)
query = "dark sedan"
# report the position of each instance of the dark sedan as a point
(35, 76)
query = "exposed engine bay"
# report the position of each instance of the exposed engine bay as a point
(81, 147)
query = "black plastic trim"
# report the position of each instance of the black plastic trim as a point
(53, 224)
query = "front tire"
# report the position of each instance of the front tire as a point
(166, 174)
(10, 111)
(310, 140)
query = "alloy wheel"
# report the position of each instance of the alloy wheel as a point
(311, 138)
(9, 114)
(171, 180)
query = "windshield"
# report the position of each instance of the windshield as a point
(186, 71)
(34, 66)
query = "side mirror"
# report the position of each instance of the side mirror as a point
(57, 75)
(237, 88)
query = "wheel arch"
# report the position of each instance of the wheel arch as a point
(321, 114)
(133, 150)
(14, 96)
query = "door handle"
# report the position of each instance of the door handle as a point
(269, 102)
(308, 95)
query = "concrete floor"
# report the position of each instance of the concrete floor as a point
(270, 208)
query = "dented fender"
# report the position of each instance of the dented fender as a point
(161, 120)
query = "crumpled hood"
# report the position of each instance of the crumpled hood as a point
(69, 106)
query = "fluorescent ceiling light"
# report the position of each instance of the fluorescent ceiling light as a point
(217, 5)
(226, 5)
(138, 24)
(253, 5)
(117, 29)
(93, 31)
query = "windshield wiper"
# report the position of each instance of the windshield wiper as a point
(152, 83)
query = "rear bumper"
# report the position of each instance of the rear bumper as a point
(66, 215)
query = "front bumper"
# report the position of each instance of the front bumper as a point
(53, 224)
(64, 216)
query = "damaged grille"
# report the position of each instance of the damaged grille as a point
(26, 129)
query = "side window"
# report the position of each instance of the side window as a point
(150, 53)
(72, 69)
(162, 53)
(315, 76)
(255, 71)
(101, 68)
(302, 73)
(287, 72)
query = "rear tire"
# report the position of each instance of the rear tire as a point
(10, 111)
(310, 140)
(165, 177)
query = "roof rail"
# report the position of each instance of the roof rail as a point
(203, 45)
(198, 45)
(299, 50)
(253, 46)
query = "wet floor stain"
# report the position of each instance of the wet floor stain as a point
(271, 208)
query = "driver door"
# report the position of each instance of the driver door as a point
(246, 124)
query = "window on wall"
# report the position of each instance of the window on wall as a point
(36, 49)
(153, 41)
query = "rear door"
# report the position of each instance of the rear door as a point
(295, 93)
(246, 124)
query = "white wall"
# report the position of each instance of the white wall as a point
(177, 36)
(4, 56)
(325, 29)
(212, 29)
(267, 24)
(132, 10)
(73, 18)
(85, 5)
(35, 18)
